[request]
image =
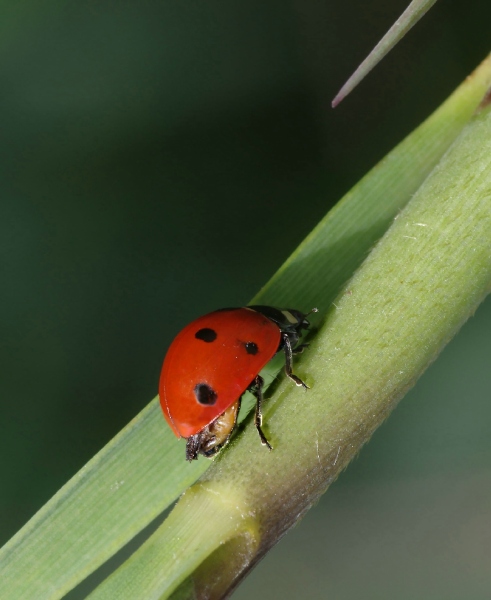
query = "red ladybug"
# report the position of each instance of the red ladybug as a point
(213, 361)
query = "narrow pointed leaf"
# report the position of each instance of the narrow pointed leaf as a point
(409, 18)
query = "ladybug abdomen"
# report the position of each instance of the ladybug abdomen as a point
(211, 363)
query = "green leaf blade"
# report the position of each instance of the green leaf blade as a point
(412, 294)
(419, 284)
(139, 473)
(122, 489)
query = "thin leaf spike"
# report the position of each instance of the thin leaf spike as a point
(409, 17)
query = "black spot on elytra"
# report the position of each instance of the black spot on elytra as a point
(251, 348)
(205, 394)
(206, 335)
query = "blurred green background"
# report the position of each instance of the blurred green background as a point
(161, 159)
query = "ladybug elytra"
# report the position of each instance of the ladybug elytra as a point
(213, 361)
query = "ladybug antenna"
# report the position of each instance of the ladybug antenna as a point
(312, 310)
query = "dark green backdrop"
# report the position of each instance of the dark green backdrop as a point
(161, 159)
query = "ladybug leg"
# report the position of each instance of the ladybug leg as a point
(300, 349)
(287, 347)
(193, 446)
(256, 388)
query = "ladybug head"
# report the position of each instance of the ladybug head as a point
(287, 319)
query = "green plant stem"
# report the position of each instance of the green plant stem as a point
(418, 286)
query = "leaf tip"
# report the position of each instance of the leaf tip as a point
(337, 100)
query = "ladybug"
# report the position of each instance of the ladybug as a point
(213, 361)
